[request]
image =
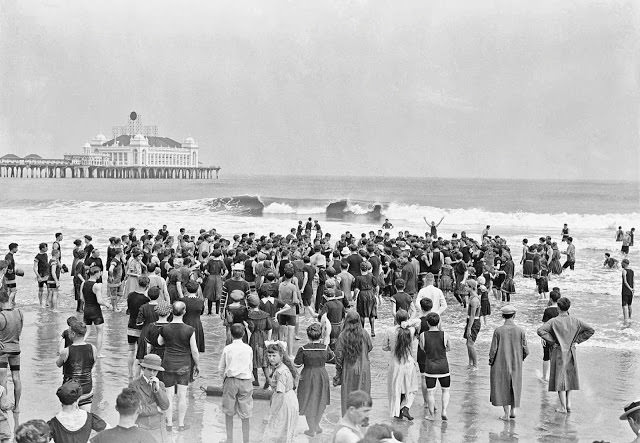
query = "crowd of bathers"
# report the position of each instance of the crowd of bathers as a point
(264, 288)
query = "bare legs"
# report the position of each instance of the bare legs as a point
(509, 413)
(228, 420)
(134, 370)
(626, 314)
(52, 297)
(99, 339)
(471, 352)
(565, 405)
(17, 391)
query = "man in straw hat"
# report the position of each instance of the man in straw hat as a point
(508, 351)
(153, 397)
(632, 415)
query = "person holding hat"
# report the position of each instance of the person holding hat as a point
(508, 351)
(632, 415)
(563, 333)
(73, 424)
(627, 290)
(153, 397)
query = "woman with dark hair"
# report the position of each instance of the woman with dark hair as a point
(353, 370)
(402, 383)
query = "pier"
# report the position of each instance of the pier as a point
(41, 168)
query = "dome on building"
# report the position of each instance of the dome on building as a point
(34, 156)
(86, 145)
(101, 138)
(138, 138)
(10, 157)
(189, 141)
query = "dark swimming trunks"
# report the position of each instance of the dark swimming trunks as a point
(475, 329)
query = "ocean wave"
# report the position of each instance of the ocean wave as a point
(475, 216)
(255, 205)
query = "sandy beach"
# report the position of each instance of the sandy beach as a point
(609, 379)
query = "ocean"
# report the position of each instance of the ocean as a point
(34, 209)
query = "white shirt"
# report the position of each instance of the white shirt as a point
(237, 361)
(436, 296)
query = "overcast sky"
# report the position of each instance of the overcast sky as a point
(503, 89)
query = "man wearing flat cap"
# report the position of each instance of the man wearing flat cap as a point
(632, 415)
(508, 351)
(153, 396)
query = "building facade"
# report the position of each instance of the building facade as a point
(137, 145)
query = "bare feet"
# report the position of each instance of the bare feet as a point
(503, 418)
(561, 410)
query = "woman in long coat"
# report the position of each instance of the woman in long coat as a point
(353, 369)
(508, 351)
(563, 333)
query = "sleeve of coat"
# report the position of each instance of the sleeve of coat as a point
(494, 347)
(161, 397)
(525, 348)
(584, 333)
(146, 408)
(544, 332)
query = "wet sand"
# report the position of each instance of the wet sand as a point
(609, 379)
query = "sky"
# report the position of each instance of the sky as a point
(446, 88)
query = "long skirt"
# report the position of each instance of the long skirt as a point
(402, 378)
(283, 418)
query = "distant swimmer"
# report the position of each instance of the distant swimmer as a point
(627, 290)
(619, 234)
(433, 226)
(565, 232)
(387, 224)
(609, 262)
(626, 242)
(570, 253)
